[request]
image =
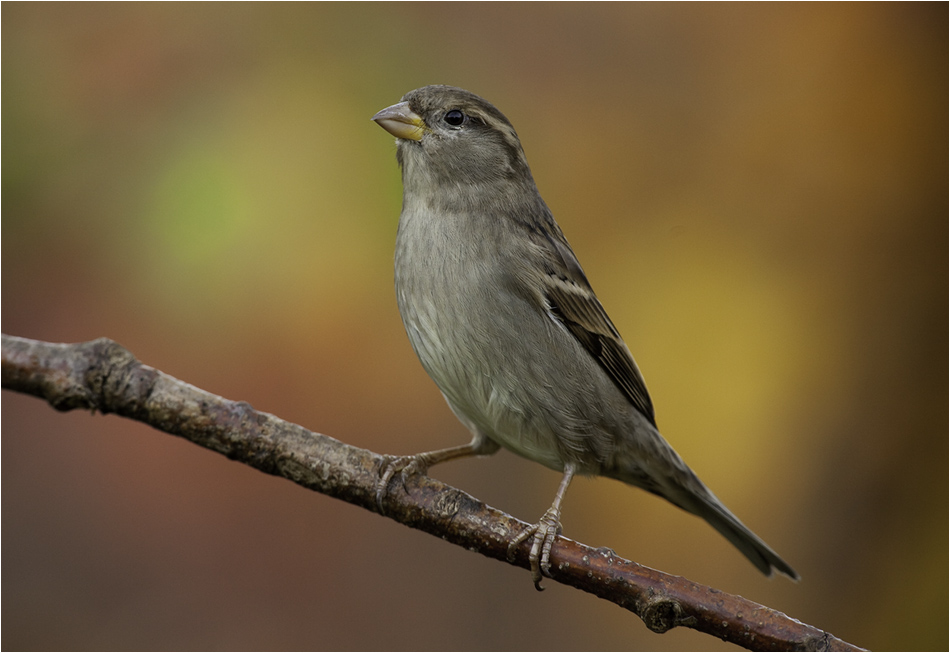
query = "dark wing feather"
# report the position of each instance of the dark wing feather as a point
(572, 301)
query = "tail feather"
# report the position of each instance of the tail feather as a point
(680, 486)
(750, 544)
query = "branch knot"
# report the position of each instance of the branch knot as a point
(662, 614)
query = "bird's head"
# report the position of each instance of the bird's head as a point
(449, 138)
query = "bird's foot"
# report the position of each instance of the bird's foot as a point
(544, 533)
(404, 466)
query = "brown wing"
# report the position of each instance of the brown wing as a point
(572, 301)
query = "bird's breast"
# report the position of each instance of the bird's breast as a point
(462, 316)
(445, 288)
(494, 350)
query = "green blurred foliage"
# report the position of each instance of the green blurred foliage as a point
(757, 192)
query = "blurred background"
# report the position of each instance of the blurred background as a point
(757, 193)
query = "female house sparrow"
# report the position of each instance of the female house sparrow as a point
(503, 319)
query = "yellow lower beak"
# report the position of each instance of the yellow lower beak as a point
(400, 121)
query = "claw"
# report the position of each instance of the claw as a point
(382, 485)
(421, 462)
(403, 465)
(544, 533)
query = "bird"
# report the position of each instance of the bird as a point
(504, 320)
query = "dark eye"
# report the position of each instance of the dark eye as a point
(454, 117)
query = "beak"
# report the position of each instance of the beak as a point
(400, 121)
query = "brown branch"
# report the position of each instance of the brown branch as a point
(102, 375)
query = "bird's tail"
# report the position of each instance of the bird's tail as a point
(751, 545)
(683, 488)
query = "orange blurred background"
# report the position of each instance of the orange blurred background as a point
(758, 194)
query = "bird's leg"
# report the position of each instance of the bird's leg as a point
(421, 462)
(545, 532)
